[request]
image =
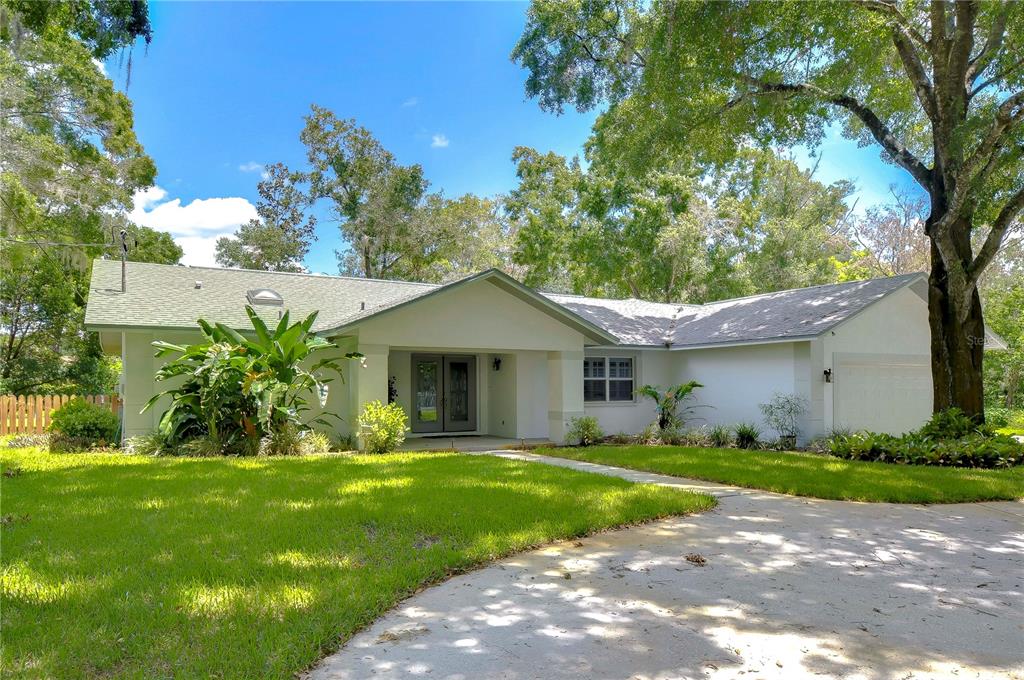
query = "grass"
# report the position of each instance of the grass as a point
(130, 567)
(806, 474)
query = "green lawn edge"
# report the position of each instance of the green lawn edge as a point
(127, 566)
(810, 475)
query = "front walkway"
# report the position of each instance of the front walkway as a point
(764, 586)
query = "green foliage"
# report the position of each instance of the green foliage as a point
(760, 224)
(938, 87)
(667, 403)
(150, 245)
(78, 420)
(314, 441)
(281, 236)
(950, 438)
(997, 417)
(783, 413)
(382, 427)
(1004, 368)
(720, 436)
(748, 435)
(237, 391)
(71, 163)
(585, 431)
(152, 444)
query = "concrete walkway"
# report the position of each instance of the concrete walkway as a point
(775, 587)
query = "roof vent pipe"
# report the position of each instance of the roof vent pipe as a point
(199, 284)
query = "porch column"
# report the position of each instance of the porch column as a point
(369, 381)
(565, 392)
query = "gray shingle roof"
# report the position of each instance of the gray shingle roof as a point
(800, 312)
(166, 296)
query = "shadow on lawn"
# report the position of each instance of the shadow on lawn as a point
(791, 588)
(257, 567)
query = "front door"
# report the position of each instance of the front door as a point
(444, 393)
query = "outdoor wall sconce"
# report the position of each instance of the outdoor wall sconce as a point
(828, 375)
(497, 363)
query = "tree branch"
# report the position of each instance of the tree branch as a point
(915, 71)
(882, 134)
(993, 44)
(900, 21)
(997, 233)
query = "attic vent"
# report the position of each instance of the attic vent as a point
(264, 296)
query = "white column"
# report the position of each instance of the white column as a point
(368, 380)
(565, 392)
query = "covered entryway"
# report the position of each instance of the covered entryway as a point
(444, 397)
(882, 393)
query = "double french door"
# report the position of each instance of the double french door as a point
(443, 393)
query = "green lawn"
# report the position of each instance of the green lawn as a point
(124, 566)
(805, 474)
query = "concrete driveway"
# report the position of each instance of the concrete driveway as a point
(775, 587)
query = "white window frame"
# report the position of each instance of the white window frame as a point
(607, 379)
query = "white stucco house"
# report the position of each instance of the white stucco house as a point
(487, 355)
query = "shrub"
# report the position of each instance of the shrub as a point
(950, 438)
(315, 442)
(783, 414)
(720, 436)
(952, 424)
(585, 431)
(620, 438)
(153, 444)
(80, 421)
(382, 428)
(240, 395)
(997, 417)
(697, 436)
(667, 403)
(20, 441)
(748, 435)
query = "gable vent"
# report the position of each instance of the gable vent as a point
(264, 296)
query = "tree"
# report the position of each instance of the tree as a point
(371, 196)
(279, 239)
(759, 224)
(891, 237)
(938, 86)
(70, 161)
(1004, 369)
(150, 245)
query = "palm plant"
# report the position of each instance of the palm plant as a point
(238, 390)
(666, 403)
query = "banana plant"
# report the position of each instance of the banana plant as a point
(237, 387)
(666, 401)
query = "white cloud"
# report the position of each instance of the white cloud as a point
(253, 166)
(100, 66)
(195, 226)
(439, 141)
(410, 102)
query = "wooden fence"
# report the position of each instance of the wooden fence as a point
(30, 414)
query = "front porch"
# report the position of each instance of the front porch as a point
(468, 443)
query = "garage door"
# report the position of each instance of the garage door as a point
(881, 394)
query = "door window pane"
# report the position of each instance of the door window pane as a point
(426, 391)
(458, 395)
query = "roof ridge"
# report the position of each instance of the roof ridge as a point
(265, 271)
(820, 285)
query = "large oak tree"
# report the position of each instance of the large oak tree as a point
(938, 86)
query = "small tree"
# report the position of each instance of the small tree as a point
(783, 414)
(667, 402)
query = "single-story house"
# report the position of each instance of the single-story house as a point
(488, 355)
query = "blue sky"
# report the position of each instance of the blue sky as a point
(224, 86)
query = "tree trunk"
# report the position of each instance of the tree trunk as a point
(957, 347)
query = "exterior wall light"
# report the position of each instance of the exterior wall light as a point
(828, 375)
(496, 363)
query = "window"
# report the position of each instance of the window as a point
(607, 379)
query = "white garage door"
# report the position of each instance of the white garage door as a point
(882, 394)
